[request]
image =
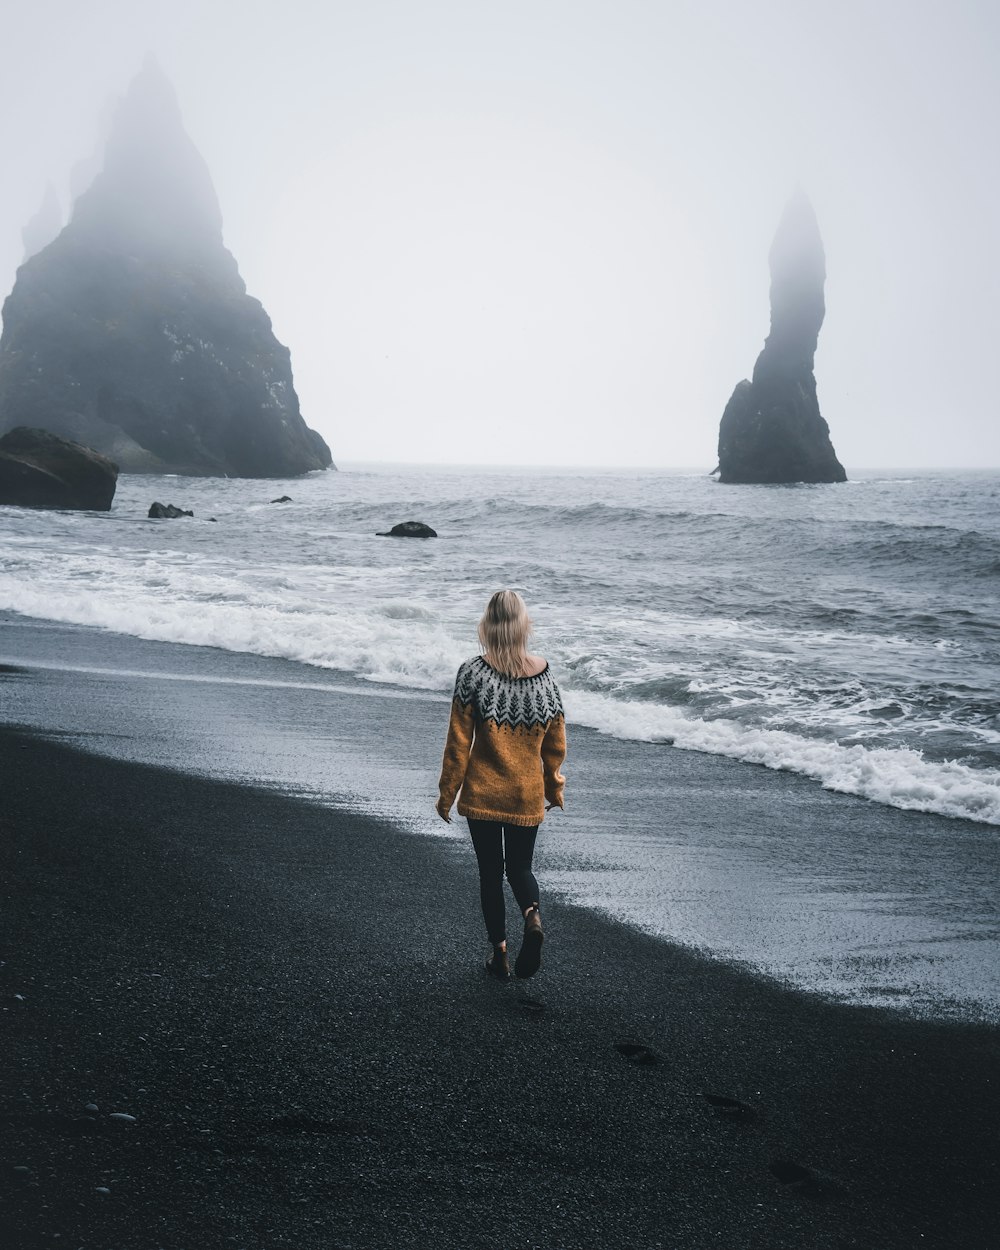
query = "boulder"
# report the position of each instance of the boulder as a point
(772, 430)
(39, 470)
(167, 512)
(132, 331)
(408, 529)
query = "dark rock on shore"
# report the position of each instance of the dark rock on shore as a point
(772, 430)
(132, 331)
(39, 470)
(166, 512)
(408, 529)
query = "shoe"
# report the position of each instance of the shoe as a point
(498, 966)
(529, 957)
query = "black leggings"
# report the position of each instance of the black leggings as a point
(492, 841)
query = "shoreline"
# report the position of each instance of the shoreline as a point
(315, 1058)
(764, 869)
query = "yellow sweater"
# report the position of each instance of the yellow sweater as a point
(506, 741)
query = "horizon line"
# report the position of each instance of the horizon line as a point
(643, 468)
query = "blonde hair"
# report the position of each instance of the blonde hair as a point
(504, 632)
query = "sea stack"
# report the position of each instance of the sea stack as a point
(771, 430)
(44, 226)
(132, 331)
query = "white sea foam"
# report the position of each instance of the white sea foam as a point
(405, 644)
(407, 647)
(899, 777)
(841, 676)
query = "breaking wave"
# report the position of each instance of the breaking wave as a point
(405, 643)
(848, 636)
(899, 777)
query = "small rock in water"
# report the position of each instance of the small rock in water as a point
(92, 1107)
(122, 1115)
(408, 529)
(283, 499)
(166, 511)
(103, 1189)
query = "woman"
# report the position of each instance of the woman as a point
(506, 741)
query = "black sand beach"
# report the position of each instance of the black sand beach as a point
(289, 1000)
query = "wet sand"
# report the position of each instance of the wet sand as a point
(289, 1000)
(854, 900)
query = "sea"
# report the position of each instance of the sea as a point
(783, 702)
(849, 633)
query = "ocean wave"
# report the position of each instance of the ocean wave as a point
(897, 777)
(410, 648)
(599, 513)
(503, 508)
(845, 642)
(390, 643)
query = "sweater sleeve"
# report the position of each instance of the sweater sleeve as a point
(553, 754)
(461, 730)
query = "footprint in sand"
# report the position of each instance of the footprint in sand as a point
(638, 1053)
(729, 1108)
(797, 1178)
(531, 1006)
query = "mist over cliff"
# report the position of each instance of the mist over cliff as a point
(132, 331)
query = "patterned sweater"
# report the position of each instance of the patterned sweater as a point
(506, 741)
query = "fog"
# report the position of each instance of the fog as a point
(537, 232)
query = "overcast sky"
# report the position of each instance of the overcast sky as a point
(536, 231)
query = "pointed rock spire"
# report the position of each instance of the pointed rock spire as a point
(132, 332)
(772, 430)
(153, 187)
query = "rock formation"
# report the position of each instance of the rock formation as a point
(38, 470)
(132, 332)
(165, 511)
(771, 430)
(44, 226)
(408, 529)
